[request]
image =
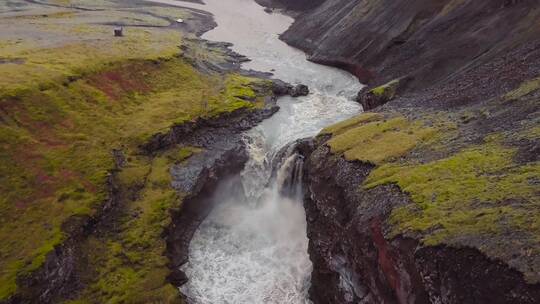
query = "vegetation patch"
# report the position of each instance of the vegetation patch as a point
(239, 92)
(130, 265)
(478, 192)
(56, 142)
(387, 91)
(343, 126)
(524, 89)
(375, 139)
(70, 94)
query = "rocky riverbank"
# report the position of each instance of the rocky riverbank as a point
(432, 196)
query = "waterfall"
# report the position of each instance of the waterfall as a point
(289, 176)
(289, 173)
(271, 172)
(252, 248)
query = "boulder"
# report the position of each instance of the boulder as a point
(299, 90)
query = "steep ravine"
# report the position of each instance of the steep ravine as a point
(431, 197)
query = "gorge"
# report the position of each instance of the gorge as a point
(174, 165)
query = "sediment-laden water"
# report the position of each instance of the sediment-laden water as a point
(252, 248)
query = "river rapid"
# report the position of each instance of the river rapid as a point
(252, 248)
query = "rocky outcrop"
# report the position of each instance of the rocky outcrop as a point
(299, 90)
(371, 99)
(438, 59)
(200, 179)
(281, 88)
(355, 260)
(291, 5)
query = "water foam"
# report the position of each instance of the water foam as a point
(252, 253)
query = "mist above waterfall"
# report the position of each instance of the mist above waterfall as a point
(253, 247)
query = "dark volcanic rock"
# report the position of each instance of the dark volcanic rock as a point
(429, 41)
(200, 177)
(294, 5)
(281, 88)
(354, 260)
(204, 132)
(299, 90)
(370, 100)
(224, 155)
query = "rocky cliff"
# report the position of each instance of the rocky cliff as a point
(432, 196)
(421, 41)
(358, 259)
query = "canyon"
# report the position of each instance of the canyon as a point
(212, 161)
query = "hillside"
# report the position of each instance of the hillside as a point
(85, 194)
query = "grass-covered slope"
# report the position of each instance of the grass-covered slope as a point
(481, 193)
(70, 94)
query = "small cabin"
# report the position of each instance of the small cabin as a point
(119, 32)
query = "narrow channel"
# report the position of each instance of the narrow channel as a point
(252, 248)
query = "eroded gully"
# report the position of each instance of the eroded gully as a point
(252, 248)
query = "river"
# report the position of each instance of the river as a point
(252, 248)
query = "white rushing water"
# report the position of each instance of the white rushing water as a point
(252, 248)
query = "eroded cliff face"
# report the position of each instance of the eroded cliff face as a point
(357, 261)
(422, 40)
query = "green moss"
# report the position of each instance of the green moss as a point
(9, 285)
(133, 175)
(130, 266)
(183, 153)
(75, 96)
(379, 140)
(524, 89)
(465, 194)
(238, 92)
(352, 122)
(387, 90)
(55, 144)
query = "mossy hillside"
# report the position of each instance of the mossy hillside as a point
(55, 144)
(44, 67)
(467, 190)
(477, 193)
(376, 138)
(129, 266)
